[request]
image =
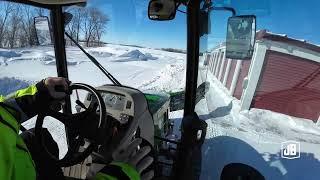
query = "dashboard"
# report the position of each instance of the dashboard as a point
(114, 101)
(118, 105)
(126, 108)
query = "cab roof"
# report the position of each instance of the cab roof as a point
(58, 2)
(50, 3)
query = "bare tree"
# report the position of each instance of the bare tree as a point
(13, 29)
(6, 10)
(73, 28)
(27, 26)
(40, 12)
(16, 25)
(100, 26)
(94, 24)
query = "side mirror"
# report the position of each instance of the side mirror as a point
(241, 34)
(41, 24)
(162, 10)
(205, 25)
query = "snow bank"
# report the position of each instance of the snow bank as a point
(53, 62)
(46, 58)
(100, 53)
(136, 55)
(8, 53)
(11, 84)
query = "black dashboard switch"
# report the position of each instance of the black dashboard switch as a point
(128, 106)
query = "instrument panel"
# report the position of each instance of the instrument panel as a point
(114, 101)
(118, 105)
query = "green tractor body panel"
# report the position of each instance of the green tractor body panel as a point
(159, 106)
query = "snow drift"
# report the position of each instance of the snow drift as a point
(11, 84)
(100, 53)
(136, 55)
(8, 53)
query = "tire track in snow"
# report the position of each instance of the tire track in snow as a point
(170, 78)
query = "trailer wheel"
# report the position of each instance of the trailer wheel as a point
(238, 171)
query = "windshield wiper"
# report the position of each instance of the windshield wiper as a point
(95, 62)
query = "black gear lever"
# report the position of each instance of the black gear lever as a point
(78, 102)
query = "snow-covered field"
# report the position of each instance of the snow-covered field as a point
(252, 137)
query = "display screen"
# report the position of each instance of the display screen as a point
(113, 100)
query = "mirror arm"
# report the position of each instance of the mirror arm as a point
(181, 11)
(223, 9)
(177, 6)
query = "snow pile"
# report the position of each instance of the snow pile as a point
(8, 53)
(11, 84)
(53, 62)
(99, 53)
(40, 55)
(136, 55)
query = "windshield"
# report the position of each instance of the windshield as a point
(138, 52)
(262, 103)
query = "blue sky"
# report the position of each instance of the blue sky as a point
(130, 25)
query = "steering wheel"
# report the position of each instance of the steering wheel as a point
(90, 124)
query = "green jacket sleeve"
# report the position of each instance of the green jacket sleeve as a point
(26, 103)
(118, 171)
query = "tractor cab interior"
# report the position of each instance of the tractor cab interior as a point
(123, 113)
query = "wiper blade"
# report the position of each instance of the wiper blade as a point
(95, 62)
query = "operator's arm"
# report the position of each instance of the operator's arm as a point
(26, 103)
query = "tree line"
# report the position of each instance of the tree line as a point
(17, 25)
(88, 25)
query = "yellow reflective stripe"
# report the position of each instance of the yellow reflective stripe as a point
(6, 116)
(101, 176)
(130, 171)
(31, 90)
(1, 98)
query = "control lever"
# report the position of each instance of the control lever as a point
(78, 102)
